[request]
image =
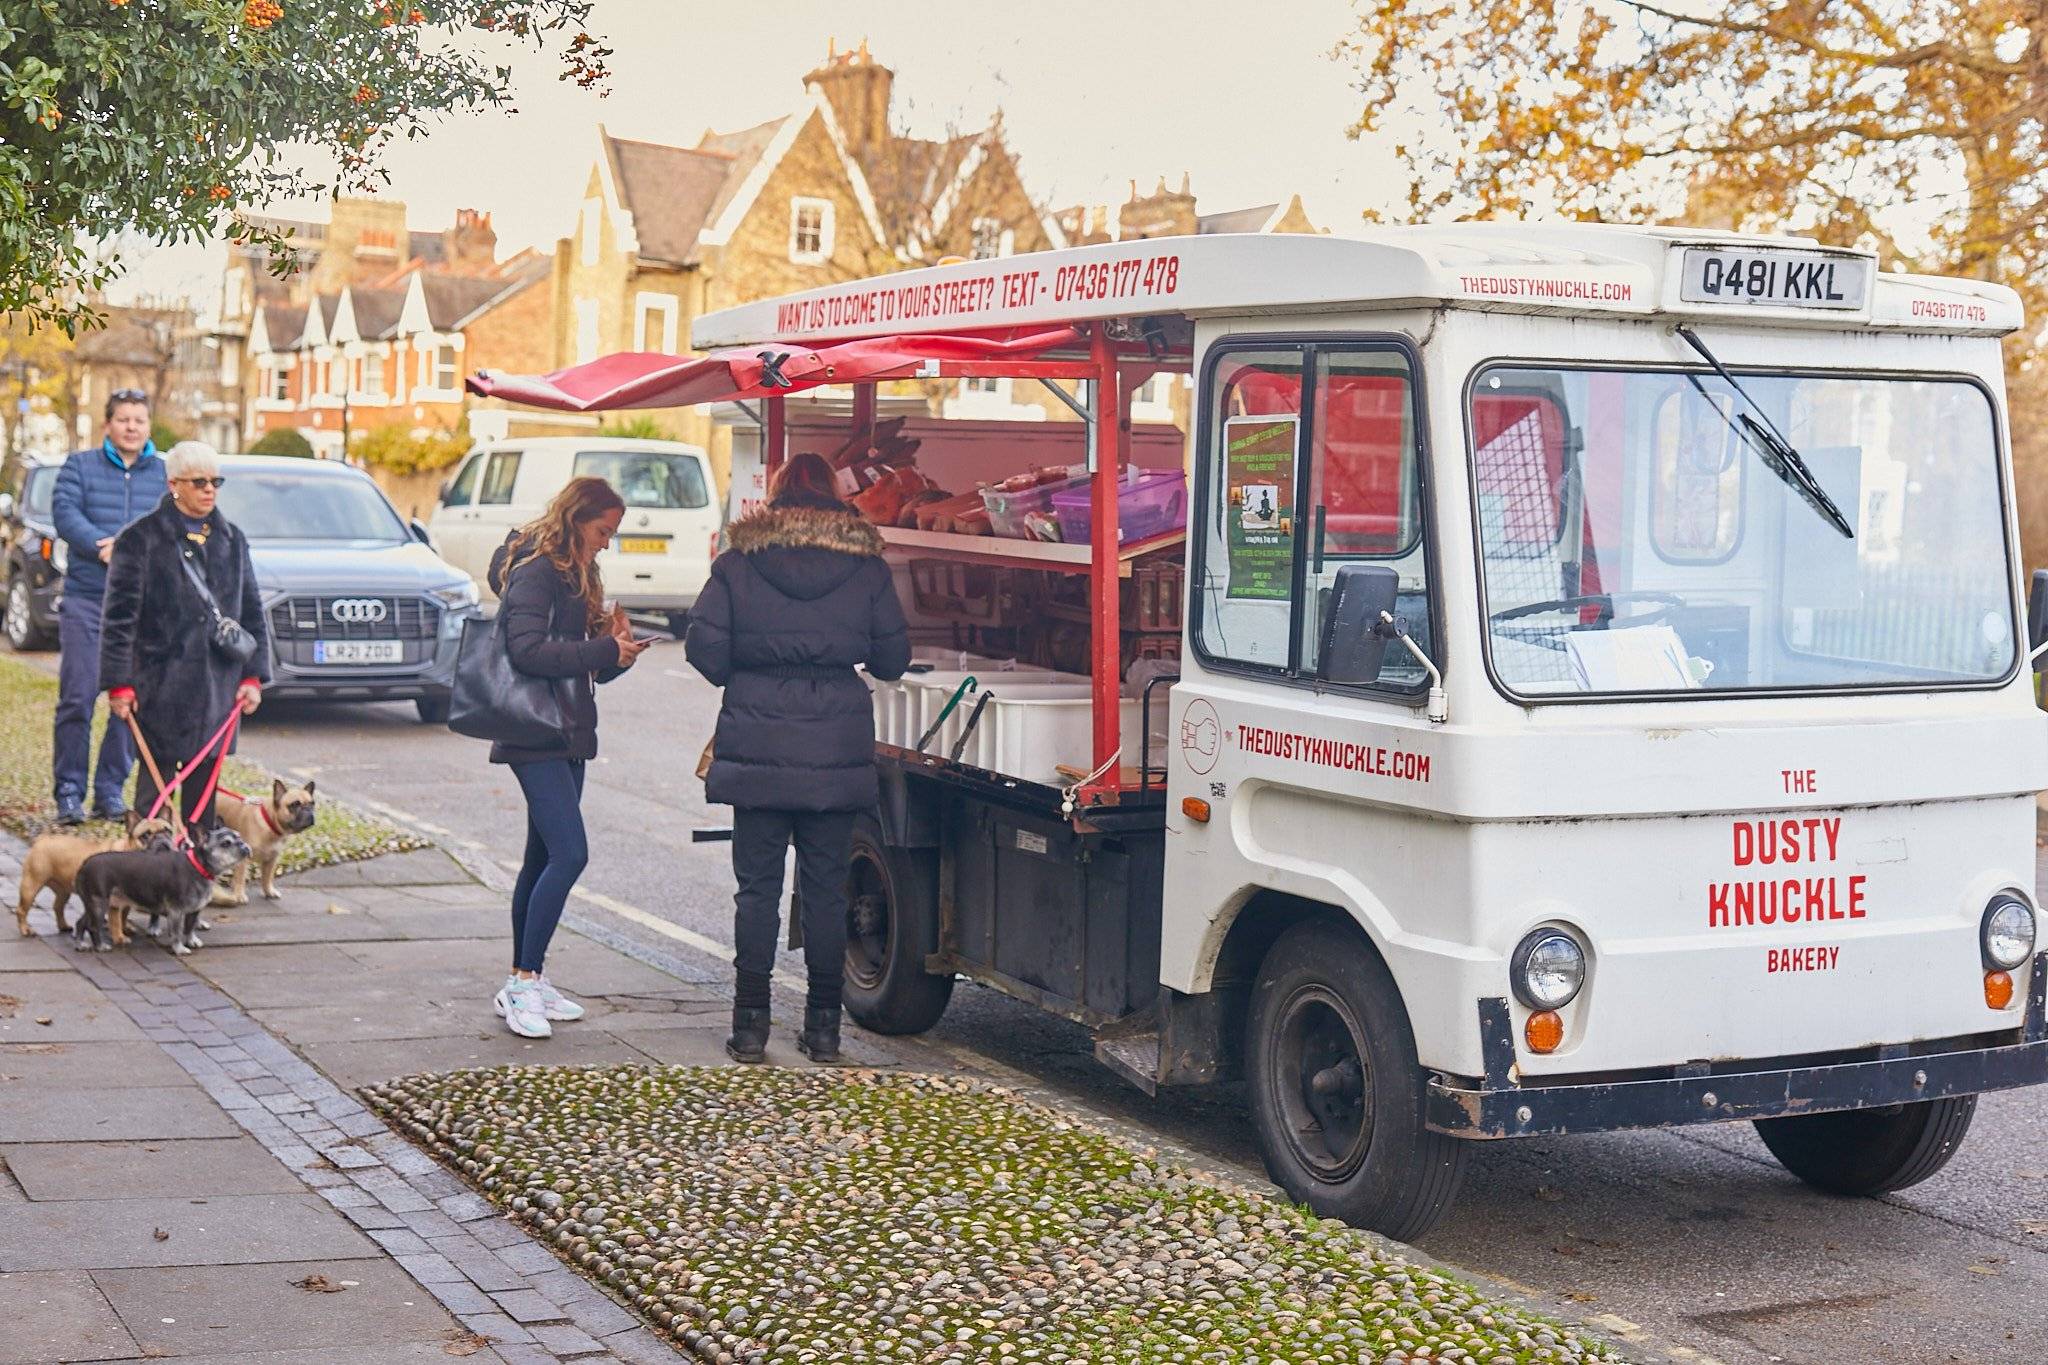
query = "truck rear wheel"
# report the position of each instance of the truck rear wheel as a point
(1337, 1097)
(1870, 1151)
(892, 923)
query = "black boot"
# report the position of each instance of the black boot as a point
(820, 1039)
(749, 1041)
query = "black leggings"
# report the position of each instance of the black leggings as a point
(824, 843)
(556, 854)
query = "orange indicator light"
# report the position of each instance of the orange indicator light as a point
(1998, 989)
(1544, 1031)
(1195, 808)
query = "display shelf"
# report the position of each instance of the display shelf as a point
(1016, 554)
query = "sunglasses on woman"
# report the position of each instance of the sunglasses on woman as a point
(203, 482)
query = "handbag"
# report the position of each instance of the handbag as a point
(493, 700)
(228, 638)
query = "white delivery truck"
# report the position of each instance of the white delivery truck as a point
(1602, 695)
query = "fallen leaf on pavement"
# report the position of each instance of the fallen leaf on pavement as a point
(161, 1235)
(334, 909)
(318, 1284)
(1982, 1269)
(2034, 1227)
(467, 1344)
(1566, 1250)
(1547, 1195)
(8, 1006)
(45, 1020)
(1580, 1296)
(2033, 1175)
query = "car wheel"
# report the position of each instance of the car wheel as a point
(20, 624)
(1870, 1151)
(892, 922)
(433, 710)
(1337, 1097)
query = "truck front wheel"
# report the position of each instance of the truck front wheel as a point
(1870, 1151)
(892, 923)
(1337, 1096)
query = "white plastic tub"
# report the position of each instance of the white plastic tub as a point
(905, 708)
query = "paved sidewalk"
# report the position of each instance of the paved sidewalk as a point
(181, 1153)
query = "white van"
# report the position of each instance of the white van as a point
(666, 542)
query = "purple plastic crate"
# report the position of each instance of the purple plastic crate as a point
(1149, 502)
(1007, 511)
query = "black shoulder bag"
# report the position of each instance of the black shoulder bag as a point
(493, 700)
(229, 639)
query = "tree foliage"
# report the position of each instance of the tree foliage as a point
(162, 117)
(1918, 128)
(282, 441)
(637, 426)
(400, 449)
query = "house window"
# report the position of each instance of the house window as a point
(987, 384)
(989, 239)
(373, 375)
(588, 228)
(445, 372)
(279, 382)
(654, 322)
(586, 331)
(810, 230)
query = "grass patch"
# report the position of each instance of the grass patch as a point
(783, 1214)
(28, 708)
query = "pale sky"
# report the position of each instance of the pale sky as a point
(1245, 98)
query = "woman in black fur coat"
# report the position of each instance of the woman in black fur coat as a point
(157, 658)
(799, 601)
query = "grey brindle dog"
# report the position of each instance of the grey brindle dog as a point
(169, 885)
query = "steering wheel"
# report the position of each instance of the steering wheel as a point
(1667, 603)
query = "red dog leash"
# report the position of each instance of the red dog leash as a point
(222, 737)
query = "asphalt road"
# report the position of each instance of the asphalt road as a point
(1697, 1238)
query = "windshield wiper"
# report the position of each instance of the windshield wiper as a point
(1771, 447)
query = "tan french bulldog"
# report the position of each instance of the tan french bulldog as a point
(54, 859)
(264, 826)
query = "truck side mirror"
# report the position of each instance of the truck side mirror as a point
(1354, 636)
(2037, 618)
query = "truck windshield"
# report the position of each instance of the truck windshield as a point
(1631, 541)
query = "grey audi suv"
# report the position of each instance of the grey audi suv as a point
(359, 604)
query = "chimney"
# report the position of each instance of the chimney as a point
(858, 89)
(471, 246)
(1164, 213)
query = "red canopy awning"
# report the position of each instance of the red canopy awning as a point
(650, 379)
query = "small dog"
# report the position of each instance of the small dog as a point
(170, 885)
(54, 859)
(264, 827)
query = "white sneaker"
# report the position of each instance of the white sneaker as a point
(560, 1007)
(523, 1007)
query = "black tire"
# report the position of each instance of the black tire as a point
(892, 923)
(17, 609)
(1337, 1096)
(1870, 1151)
(433, 710)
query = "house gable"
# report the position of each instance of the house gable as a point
(816, 132)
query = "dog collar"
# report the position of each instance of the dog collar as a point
(197, 866)
(271, 821)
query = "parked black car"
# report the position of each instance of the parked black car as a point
(34, 574)
(360, 606)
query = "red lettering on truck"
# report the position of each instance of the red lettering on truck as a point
(1374, 760)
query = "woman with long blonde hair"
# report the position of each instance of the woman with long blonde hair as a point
(551, 595)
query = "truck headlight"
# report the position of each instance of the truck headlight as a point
(1547, 969)
(2007, 933)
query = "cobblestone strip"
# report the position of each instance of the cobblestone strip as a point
(495, 1279)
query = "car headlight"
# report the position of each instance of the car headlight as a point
(1547, 969)
(2007, 933)
(457, 595)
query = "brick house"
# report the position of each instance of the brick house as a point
(666, 233)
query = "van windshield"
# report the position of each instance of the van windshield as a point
(1633, 539)
(647, 478)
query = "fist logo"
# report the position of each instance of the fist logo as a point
(1201, 735)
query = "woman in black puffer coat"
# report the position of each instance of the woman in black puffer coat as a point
(799, 601)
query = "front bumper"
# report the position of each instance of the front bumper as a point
(430, 674)
(1497, 1107)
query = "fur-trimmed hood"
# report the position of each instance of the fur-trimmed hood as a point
(796, 526)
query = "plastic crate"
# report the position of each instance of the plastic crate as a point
(1007, 511)
(1149, 502)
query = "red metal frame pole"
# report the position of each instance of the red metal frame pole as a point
(775, 439)
(1104, 558)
